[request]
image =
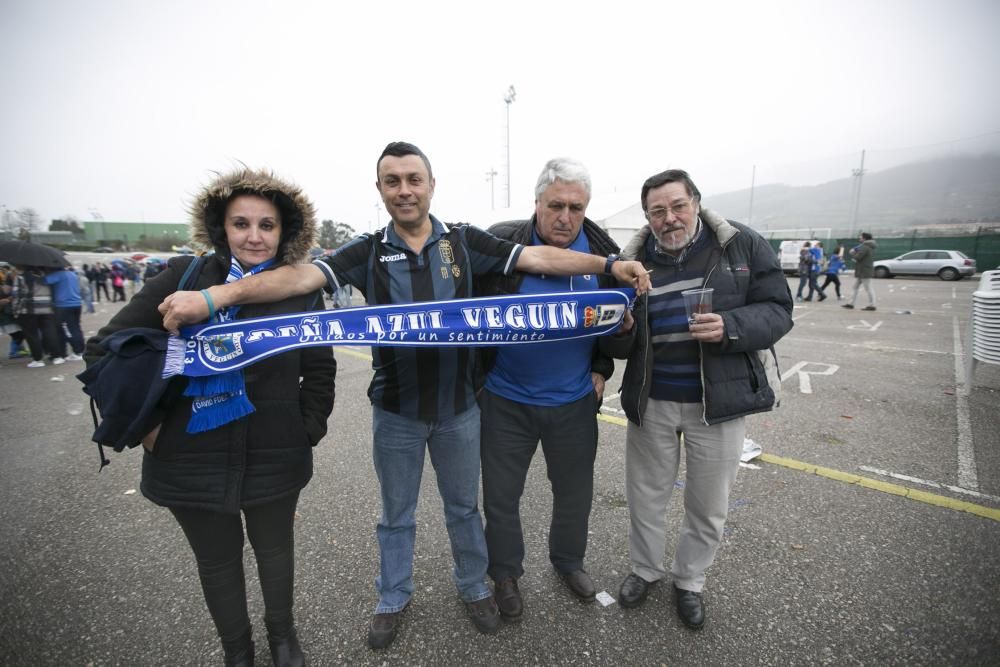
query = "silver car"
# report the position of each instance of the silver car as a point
(945, 264)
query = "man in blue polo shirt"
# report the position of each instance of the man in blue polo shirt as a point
(548, 392)
(67, 304)
(422, 398)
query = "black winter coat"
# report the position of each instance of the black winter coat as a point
(250, 461)
(739, 374)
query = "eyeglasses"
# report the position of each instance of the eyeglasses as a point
(660, 214)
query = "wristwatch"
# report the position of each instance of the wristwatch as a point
(612, 258)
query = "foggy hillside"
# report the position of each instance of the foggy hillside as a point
(961, 189)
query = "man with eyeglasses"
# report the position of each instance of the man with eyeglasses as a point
(694, 382)
(548, 392)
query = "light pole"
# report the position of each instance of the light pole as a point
(509, 99)
(858, 174)
(491, 176)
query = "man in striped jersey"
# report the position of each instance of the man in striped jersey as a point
(696, 380)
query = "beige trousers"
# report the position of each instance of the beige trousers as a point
(652, 457)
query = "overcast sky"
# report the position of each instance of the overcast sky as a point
(126, 107)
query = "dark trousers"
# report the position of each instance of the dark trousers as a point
(510, 435)
(217, 542)
(70, 317)
(40, 332)
(813, 286)
(102, 286)
(832, 278)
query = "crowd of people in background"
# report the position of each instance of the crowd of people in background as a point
(813, 263)
(40, 309)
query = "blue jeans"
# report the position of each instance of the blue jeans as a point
(398, 452)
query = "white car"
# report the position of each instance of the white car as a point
(945, 264)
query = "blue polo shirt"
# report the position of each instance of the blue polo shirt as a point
(551, 374)
(425, 383)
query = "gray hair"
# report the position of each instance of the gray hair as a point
(562, 169)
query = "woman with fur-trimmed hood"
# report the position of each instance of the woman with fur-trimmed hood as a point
(256, 463)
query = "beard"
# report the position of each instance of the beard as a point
(676, 237)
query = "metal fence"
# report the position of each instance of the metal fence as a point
(982, 246)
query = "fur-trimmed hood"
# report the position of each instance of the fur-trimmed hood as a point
(298, 216)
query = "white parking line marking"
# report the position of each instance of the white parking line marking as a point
(934, 485)
(805, 384)
(865, 326)
(868, 345)
(967, 475)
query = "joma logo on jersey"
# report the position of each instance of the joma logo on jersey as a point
(392, 258)
(223, 348)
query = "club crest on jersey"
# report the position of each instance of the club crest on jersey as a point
(223, 348)
(447, 255)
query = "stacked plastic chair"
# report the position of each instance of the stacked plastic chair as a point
(984, 326)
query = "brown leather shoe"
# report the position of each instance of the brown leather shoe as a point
(508, 598)
(484, 615)
(581, 584)
(382, 628)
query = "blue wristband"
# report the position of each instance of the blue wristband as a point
(211, 304)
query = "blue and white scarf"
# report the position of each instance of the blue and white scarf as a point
(212, 354)
(221, 398)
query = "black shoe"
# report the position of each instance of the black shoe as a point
(808, 298)
(508, 599)
(382, 628)
(822, 296)
(690, 608)
(286, 652)
(847, 305)
(580, 583)
(239, 653)
(868, 308)
(633, 591)
(484, 615)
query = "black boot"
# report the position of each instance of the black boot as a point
(239, 653)
(284, 643)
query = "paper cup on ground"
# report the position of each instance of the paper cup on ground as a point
(697, 302)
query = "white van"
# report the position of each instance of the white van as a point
(788, 254)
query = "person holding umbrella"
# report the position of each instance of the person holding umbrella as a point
(32, 305)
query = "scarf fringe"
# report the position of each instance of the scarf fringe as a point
(174, 363)
(221, 412)
(212, 385)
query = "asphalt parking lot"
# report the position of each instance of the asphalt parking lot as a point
(868, 532)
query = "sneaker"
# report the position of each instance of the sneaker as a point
(868, 308)
(36, 364)
(58, 360)
(485, 615)
(848, 305)
(74, 357)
